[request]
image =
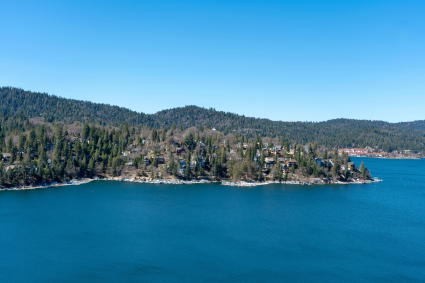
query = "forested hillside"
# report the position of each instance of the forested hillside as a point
(21, 105)
(14, 101)
(337, 132)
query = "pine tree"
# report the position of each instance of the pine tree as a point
(362, 170)
(223, 157)
(91, 167)
(236, 173)
(187, 172)
(85, 131)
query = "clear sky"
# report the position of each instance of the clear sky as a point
(282, 60)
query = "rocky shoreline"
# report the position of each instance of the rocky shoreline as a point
(76, 182)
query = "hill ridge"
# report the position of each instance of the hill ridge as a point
(341, 132)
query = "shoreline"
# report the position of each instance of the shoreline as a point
(83, 181)
(392, 158)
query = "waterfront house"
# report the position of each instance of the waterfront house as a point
(284, 168)
(160, 159)
(320, 162)
(182, 167)
(269, 165)
(146, 160)
(292, 162)
(269, 162)
(201, 161)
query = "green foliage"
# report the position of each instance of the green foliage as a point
(18, 106)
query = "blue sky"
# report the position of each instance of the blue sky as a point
(282, 60)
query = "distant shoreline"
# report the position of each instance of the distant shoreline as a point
(404, 158)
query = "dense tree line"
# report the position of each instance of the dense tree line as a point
(48, 155)
(21, 105)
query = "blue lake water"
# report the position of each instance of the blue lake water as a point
(124, 232)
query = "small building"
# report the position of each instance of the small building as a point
(201, 161)
(160, 159)
(179, 150)
(269, 165)
(320, 162)
(7, 156)
(182, 168)
(292, 162)
(49, 146)
(146, 160)
(269, 162)
(284, 168)
(351, 166)
(73, 141)
(192, 165)
(277, 149)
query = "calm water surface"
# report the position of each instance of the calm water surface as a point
(122, 232)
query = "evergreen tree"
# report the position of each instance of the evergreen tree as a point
(362, 170)
(91, 167)
(236, 173)
(187, 172)
(85, 131)
(223, 157)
